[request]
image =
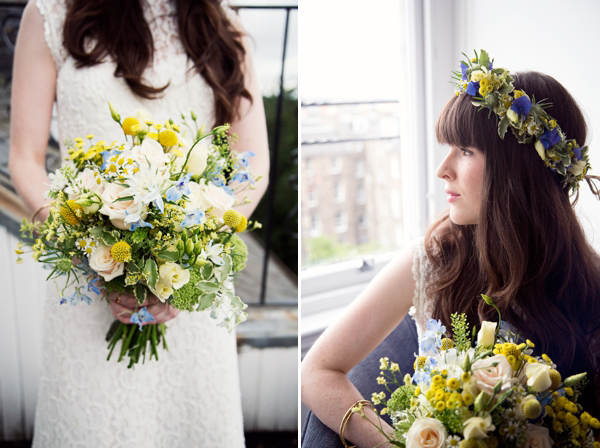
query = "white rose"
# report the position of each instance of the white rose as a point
(198, 158)
(537, 437)
(117, 211)
(577, 169)
(477, 427)
(487, 333)
(487, 376)
(104, 264)
(215, 197)
(173, 275)
(539, 147)
(88, 180)
(162, 291)
(426, 432)
(150, 151)
(142, 117)
(538, 376)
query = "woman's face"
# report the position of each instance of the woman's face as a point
(462, 169)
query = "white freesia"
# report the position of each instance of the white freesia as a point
(487, 333)
(150, 151)
(216, 198)
(537, 437)
(577, 168)
(539, 147)
(118, 211)
(104, 264)
(142, 116)
(426, 432)
(173, 275)
(198, 158)
(538, 376)
(161, 291)
(512, 116)
(487, 375)
(477, 427)
(212, 252)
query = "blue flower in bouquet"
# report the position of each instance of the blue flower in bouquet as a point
(176, 192)
(521, 106)
(218, 181)
(435, 326)
(106, 155)
(463, 68)
(550, 138)
(421, 377)
(76, 297)
(473, 88)
(135, 220)
(577, 152)
(243, 176)
(243, 158)
(141, 317)
(94, 285)
(193, 218)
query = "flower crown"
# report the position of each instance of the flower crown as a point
(526, 118)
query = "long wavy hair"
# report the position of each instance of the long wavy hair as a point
(528, 250)
(212, 43)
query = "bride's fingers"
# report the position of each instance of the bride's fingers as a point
(121, 313)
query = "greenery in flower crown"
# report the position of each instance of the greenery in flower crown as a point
(492, 88)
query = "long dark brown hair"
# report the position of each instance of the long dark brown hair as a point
(210, 40)
(528, 250)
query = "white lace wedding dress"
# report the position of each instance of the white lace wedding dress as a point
(191, 396)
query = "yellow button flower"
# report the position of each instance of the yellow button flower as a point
(128, 123)
(121, 251)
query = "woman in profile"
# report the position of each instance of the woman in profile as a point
(168, 58)
(510, 232)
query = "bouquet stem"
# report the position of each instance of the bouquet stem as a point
(135, 342)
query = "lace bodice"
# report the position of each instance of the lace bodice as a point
(422, 308)
(191, 396)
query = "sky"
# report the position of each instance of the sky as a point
(350, 53)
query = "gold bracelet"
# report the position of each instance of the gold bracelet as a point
(347, 417)
(38, 210)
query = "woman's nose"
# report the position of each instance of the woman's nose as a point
(444, 170)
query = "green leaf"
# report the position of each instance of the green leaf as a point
(226, 267)
(237, 302)
(96, 232)
(140, 293)
(206, 271)
(108, 239)
(125, 198)
(484, 59)
(168, 255)
(207, 286)
(151, 272)
(503, 126)
(506, 89)
(206, 300)
(133, 268)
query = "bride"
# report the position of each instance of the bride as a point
(168, 58)
(510, 232)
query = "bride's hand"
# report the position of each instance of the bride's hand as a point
(123, 305)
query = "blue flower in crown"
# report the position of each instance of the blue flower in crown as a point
(473, 88)
(577, 152)
(550, 138)
(521, 106)
(463, 68)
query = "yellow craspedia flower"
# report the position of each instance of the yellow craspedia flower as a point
(532, 408)
(242, 226)
(167, 138)
(231, 217)
(556, 379)
(453, 384)
(67, 211)
(447, 343)
(420, 363)
(128, 123)
(121, 251)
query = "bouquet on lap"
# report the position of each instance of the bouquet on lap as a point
(492, 393)
(152, 214)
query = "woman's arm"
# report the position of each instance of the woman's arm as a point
(251, 127)
(33, 92)
(365, 323)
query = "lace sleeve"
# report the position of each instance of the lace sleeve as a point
(422, 306)
(53, 12)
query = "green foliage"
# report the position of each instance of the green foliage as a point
(286, 185)
(239, 253)
(400, 399)
(452, 420)
(186, 297)
(460, 330)
(139, 235)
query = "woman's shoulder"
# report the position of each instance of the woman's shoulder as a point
(53, 13)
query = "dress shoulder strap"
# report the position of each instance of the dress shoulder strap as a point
(54, 12)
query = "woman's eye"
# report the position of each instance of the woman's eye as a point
(466, 152)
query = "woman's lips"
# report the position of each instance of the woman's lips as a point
(452, 196)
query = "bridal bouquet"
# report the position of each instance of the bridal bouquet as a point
(150, 214)
(493, 394)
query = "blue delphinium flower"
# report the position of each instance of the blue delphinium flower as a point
(435, 326)
(521, 106)
(106, 155)
(473, 88)
(179, 189)
(193, 218)
(218, 181)
(243, 158)
(550, 138)
(421, 377)
(490, 65)
(137, 223)
(577, 152)
(142, 316)
(463, 68)
(93, 285)
(76, 297)
(243, 176)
